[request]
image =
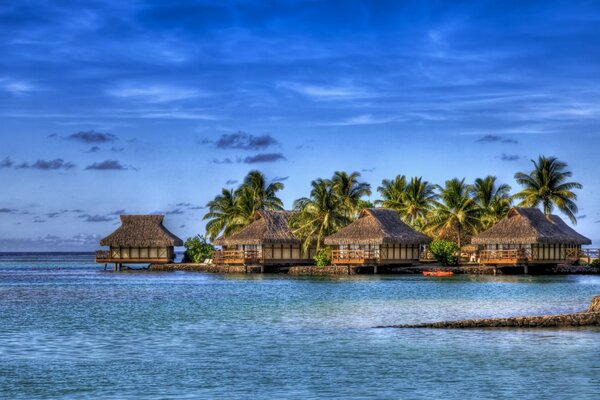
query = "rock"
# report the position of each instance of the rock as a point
(591, 317)
(595, 305)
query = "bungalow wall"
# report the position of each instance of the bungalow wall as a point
(388, 253)
(143, 253)
(552, 252)
(540, 252)
(392, 253)
(279, 253)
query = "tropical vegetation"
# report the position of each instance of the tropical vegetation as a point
(455, 211)
(547, 185)
(444, 251)
(323, 257)
(456, 214)
(232, 210)
(319, 215)
(197, 249)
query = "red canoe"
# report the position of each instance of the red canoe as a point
(438, 273)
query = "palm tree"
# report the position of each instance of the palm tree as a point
(320, 215)
(547, 185)
(412, 200)
(494, 200)
(264, 194)
(233, 210)
(221, 213)
(392, 193)
(419, 199)
(350, 190)
(457, 212)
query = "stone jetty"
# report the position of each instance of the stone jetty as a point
(591, 317)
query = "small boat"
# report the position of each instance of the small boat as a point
(438, 273)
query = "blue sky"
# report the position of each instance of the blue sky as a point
(145, 107)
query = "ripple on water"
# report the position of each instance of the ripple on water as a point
(69, 329)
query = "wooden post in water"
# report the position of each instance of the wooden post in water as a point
(375, 269)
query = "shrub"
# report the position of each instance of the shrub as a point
(323, 257)
(595, 263)
(197, 249)
(445, 252)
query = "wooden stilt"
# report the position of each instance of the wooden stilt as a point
(375, 269)
(525, 269)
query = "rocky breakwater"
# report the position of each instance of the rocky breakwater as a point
(591, 317)
(189, 267)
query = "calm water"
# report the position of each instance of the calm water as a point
(70, 330)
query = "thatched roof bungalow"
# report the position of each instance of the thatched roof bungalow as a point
(267, 240)
(527, 235)
(378, 236)
(139, 239)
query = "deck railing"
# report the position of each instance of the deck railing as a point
(353, 256)
(236, 256)
(102, 255)
(513, 254)
(588, 254)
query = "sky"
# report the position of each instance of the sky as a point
(114, 107)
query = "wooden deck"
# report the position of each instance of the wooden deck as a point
(104, 257)
(354, 257)
(237, 257)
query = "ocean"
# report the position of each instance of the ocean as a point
(69, 329)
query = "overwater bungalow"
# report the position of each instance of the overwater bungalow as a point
(141, 239)
(528, 236)
(377, 237)
(268, 240)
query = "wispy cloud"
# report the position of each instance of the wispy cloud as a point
(510, 157)
(226, 160)
(108, 165)
(8, 211)
(364, 119)
(496, 139)
(16, 87)
(242, 141)
(231, 182)
(280, 179)
(118, 212)
(6, 163)
(320, 92)
(92, 137)
(264, 158)
(95, 218)
(176, 211)
(153, 93)
(47, 165)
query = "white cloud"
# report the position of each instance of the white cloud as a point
(16, 87)
(364, 119)
(154, 93)
(327, 92)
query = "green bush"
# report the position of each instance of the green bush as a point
(323, 257)
(197, 249)
(595, 263)
(444, 251)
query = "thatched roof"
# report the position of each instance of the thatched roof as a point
(267, 227)
(376, 226)
(141, 231)
(528, 226)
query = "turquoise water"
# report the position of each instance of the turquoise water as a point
(70, 330)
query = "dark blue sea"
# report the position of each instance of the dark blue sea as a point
(69, 330)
